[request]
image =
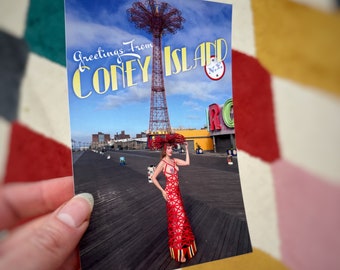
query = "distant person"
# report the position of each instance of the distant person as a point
(41, 224)
(181, 238)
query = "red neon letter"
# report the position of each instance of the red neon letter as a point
(214, 120)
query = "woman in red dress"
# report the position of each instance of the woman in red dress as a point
(181, 239)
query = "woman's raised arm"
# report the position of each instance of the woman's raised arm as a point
(186, 162)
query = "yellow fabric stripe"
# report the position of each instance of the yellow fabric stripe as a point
(257, 260)
(299, 43)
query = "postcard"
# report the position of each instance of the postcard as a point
(152, 127)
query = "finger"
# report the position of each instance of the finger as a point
(21, 233)
(72, 262)
(51, 244)
(20, 201)
(17, 237)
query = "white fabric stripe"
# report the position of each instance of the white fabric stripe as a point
(13, 17)
(243, 38)
(43, 102)
(260, 203)
(5, 133)
(308, 129)
(323, 5)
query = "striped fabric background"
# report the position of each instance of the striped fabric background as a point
(286, 83)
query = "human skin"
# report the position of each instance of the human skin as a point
(167, 156)
(43, 222)
(169, 159)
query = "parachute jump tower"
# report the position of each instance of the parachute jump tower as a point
(157, 19)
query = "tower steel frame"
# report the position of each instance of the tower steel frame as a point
(157, 19)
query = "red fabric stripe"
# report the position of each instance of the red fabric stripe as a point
(33, 156)
(253, 108)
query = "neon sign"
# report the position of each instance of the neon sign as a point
(217, 113)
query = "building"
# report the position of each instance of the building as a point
(100, 140)
(197, 138)
(221, 126)
(219, 136)
(141, 135)
(121, 136)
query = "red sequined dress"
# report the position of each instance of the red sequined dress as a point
(181, 238)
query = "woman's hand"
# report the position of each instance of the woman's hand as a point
(186, 146)
(44, 224)
(165, 196)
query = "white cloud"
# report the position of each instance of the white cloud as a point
(123, 97)
(86, 34)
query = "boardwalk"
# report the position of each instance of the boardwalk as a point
(128, 228)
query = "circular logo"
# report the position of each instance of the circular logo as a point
(215, 70)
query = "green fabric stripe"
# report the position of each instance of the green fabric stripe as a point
(45, 29)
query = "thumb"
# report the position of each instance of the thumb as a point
(50, 244)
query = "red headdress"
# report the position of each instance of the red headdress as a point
(169, 139)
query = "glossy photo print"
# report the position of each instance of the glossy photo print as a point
(152, 128)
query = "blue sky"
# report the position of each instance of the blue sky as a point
(104, 24)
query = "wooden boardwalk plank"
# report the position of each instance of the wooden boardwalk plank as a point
(128, 228)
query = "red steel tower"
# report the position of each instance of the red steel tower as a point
(158, 19)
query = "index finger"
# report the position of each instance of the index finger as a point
(20, 201)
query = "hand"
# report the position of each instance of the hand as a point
(44, 224)
(165, 196)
